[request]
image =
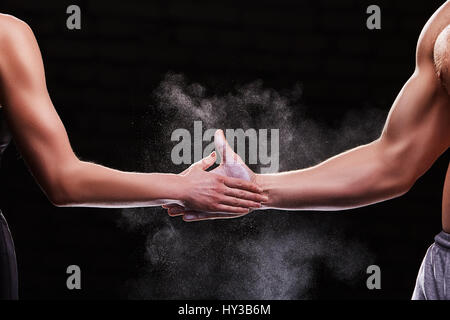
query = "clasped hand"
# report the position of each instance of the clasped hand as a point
(228, 191)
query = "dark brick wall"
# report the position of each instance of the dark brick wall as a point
(101, 78)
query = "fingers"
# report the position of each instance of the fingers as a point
(207, 162)
(242, 184)
(175, 210)
(236, 202)
(242, 194)
(228, 205)
(169, 205)
(225, 208)
(194, 216)
(191, 215)
(222, 208)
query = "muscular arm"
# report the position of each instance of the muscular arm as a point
(416, 133)
(67, 181)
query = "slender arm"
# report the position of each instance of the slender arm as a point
(67, 181)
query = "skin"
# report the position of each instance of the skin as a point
(416, 133)
(231, 166)
(67, 181)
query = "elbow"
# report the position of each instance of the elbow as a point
(59, 199)
(403, 186)
(399, 181)
(61, 190)
(60, 195)
(58, 202)
(397, 169)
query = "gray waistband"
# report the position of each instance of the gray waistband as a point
(443, 240)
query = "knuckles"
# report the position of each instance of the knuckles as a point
(220, 179)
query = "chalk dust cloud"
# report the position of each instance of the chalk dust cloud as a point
(267, 254)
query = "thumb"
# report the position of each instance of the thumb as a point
(207, 162)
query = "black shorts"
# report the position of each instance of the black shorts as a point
(9, 289)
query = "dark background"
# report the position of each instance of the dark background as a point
(101, 78)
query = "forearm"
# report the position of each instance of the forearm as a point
(356, 178)
(92, 185)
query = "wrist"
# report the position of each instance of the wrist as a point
(266, 182)
(181, 188)
(172, 188)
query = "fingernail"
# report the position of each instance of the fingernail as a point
(213, 154)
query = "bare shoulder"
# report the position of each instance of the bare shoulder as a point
(13, 31)
(18, 46)
(433, 49)
(10, 25)
(430, 33)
